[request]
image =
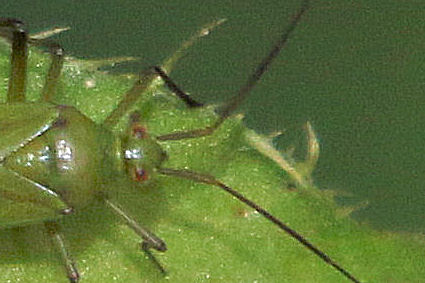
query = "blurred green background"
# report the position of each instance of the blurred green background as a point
(355, 69)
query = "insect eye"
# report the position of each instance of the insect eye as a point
(139, 132)
(140, 175)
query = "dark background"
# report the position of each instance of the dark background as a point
(355, 69)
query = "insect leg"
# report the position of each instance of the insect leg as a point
(150, 240)
(124, 107)
(13, 30)
(245, 90)
(58, 240)
(140, 86)
(147, 78)
(208, 179)
(161, 71)
(190, 102)
(52, 79)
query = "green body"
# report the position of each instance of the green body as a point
(53, 158)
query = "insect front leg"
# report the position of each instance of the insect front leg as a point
(59, 242)
(13, 30)
(139, 87)
(245, 90)
(131, 97)
(149, 76)
(150, 240)
(189, 101)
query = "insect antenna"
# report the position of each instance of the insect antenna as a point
(225, 113)
(208, 179)
(246, 89)
(262, 67)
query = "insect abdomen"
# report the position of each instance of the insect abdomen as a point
(66, 158)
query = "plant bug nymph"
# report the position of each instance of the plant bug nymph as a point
(53, 158)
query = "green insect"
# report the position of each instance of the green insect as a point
(54, 160)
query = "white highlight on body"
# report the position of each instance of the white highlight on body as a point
(63, 153)
(133, 154)
(45, 154)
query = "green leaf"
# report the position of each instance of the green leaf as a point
(210, 235)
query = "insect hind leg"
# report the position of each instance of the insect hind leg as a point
(13, 30)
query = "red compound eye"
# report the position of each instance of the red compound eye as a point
(140, 175)
(139, 132)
